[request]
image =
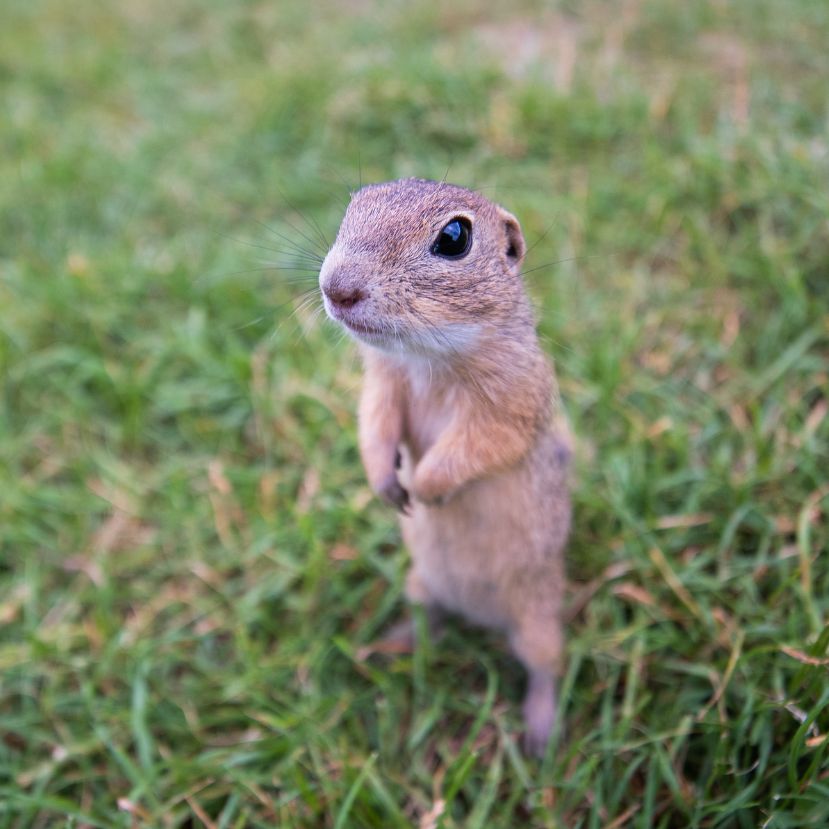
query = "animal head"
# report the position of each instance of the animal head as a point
(423, 267)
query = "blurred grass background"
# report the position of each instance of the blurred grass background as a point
(190, 560)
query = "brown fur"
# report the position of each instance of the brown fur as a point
(458, 423)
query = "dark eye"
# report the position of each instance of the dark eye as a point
(454, 240)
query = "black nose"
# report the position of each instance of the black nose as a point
(342, 295)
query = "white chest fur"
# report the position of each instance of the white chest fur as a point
(432, 403)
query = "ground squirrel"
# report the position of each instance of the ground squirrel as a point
(458, 419)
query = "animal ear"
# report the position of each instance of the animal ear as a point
(514, 245)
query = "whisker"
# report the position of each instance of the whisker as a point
(300, 327)
(306, 267)
(297, 249)
(212, 280)
(568, 259)
(300, 297)
(305, 303)
(317, 228)
(299, 300)
(542, 236)
(313, 242)
(251, 244)
(253, 322)
(295, 257)
(559, 345)
(320, 234)
(276, 266)
(348, 187)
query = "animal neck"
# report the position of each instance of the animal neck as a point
(505, 371)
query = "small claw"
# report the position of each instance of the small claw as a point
(396, 495)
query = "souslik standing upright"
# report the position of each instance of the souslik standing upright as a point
(458, 425)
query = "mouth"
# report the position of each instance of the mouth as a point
(356, 327)
(362, 329)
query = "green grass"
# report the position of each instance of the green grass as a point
(190, 560)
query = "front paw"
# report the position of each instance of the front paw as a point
(393, 493)
(430, 490)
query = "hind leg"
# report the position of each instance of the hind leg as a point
(538, 643)
(402, 636)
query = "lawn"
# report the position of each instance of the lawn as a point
(191, 563)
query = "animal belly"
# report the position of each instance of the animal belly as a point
(495, 547)
(475, 595)
(466, 555)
